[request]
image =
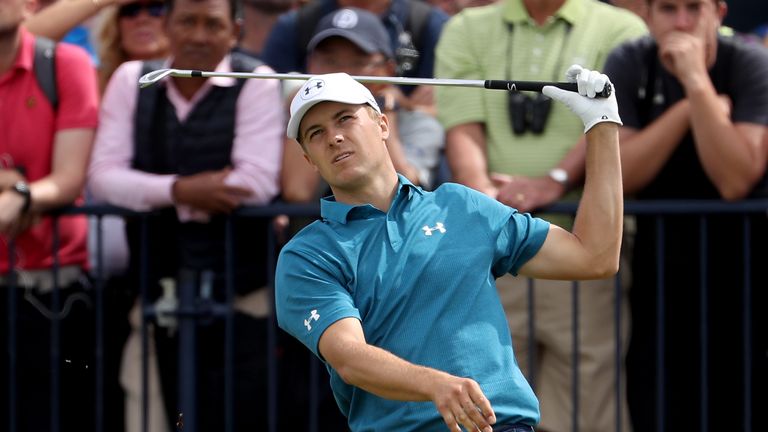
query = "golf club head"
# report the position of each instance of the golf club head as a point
(154, 76)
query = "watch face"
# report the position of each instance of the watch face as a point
(21, 187)
(559, 175)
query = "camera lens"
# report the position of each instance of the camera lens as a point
(518, 112)
(539, 113)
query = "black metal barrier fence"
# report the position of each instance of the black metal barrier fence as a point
(189, 310)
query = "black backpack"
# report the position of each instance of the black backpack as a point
(44, 66)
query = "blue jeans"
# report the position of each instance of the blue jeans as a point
(515, 427)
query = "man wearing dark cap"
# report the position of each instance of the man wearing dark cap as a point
(413, 28)
(354, 41)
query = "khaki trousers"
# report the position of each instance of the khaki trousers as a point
(553, 347)
(256, 304)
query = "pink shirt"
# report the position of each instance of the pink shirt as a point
(256, 152)
(28, 127)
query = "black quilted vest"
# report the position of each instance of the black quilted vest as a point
(203, 142)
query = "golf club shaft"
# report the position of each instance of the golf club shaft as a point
(534, 86)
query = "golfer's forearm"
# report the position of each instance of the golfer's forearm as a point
(599, 219)
(382, 373)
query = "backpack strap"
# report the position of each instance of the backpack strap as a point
(721, 72)
(307, 18)
(418, 14)
(240, 62)
(45, 69)
(648, 84)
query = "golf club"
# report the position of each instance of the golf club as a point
(534, 86)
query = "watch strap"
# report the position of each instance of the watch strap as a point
(560, 176)
(22, 188)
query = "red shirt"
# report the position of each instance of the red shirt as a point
(28, 125)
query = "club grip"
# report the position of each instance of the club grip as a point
(536, 86)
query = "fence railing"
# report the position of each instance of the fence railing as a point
(190, 309)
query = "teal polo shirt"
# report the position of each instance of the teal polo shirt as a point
(421, 280)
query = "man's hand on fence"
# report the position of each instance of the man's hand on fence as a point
(208, 191)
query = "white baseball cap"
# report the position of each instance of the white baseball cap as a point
(335, 87)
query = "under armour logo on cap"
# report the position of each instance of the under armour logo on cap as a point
(335, 87)
(312, 88)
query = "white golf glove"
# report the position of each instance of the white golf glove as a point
(590, 109)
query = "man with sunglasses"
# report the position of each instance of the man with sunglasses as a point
(152, 8)
(517, 148)
(193, 150)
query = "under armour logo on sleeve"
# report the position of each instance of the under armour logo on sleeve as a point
(312, 316)
(438, 227)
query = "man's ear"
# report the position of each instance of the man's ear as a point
(721, 10)
(309, 160)
(384, 125)
(237, 27)
(31, 7)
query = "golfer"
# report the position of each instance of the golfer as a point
(393, 288)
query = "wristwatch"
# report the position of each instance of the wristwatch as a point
(559, 175)
(22, 188)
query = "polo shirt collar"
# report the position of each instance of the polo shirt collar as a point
(26, 54)
(572, 12)
(339, 212)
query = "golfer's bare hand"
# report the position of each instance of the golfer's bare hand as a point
(462, 403)
(208, 191)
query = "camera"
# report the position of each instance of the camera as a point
(406, 54)
(528, 113)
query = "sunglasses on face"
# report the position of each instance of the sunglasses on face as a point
(154, 9)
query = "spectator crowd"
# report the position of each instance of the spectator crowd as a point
(185, 154)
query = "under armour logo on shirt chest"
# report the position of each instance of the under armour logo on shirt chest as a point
(429, 230)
